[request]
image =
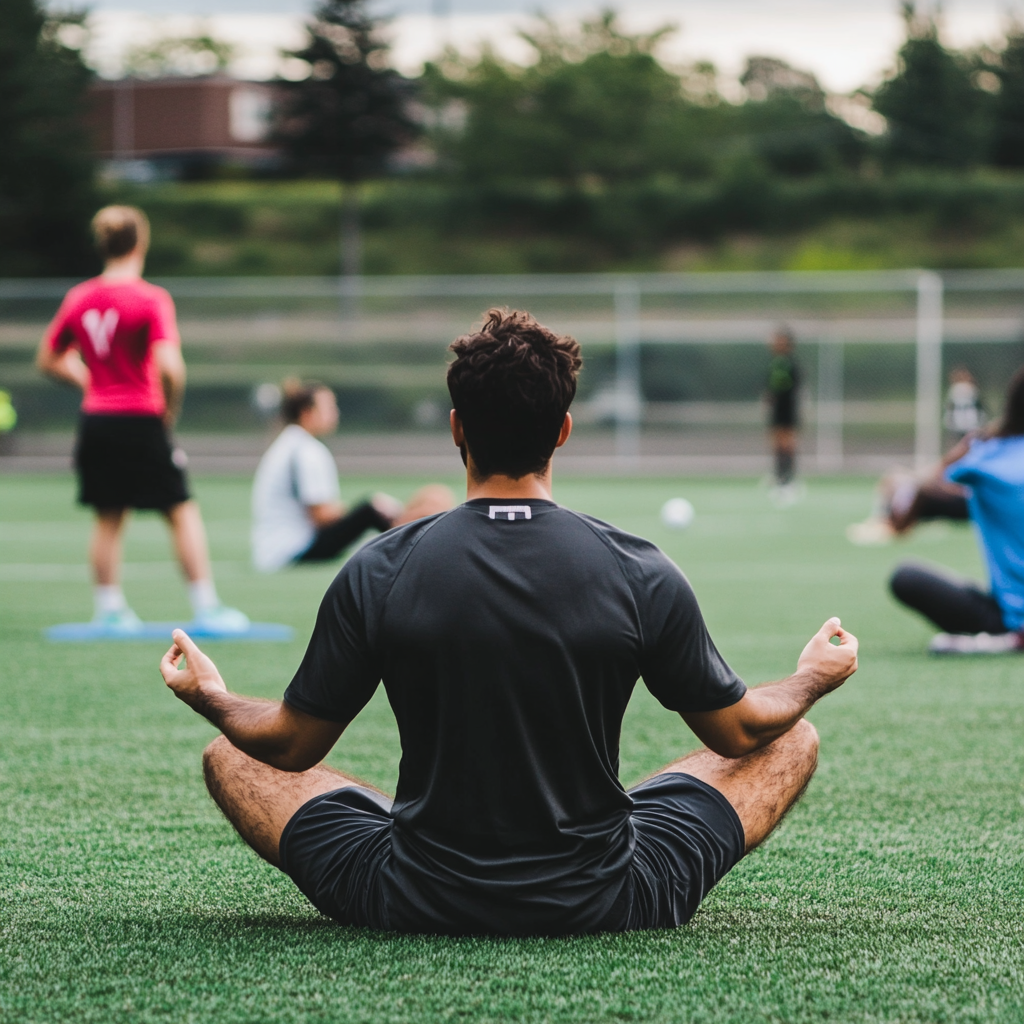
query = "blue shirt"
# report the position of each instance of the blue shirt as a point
(994, 471)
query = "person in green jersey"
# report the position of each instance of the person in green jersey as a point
(783, 411)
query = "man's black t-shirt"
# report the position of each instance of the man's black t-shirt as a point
(509, 637)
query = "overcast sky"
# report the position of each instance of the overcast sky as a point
(847, 43)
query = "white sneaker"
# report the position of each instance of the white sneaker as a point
(871, 533)
(976, 643)
(222, 619)
(785, 495)
(123, 622)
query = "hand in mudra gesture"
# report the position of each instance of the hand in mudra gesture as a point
(191, 674)
(829, 664)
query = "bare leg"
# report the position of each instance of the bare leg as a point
(784, 440)
(931, 499)
(427, 501)
(784, 444)
(259, 800)
(762, 786)
(105, 550)
(189, 537)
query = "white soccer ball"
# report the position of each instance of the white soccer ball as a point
(677, 513)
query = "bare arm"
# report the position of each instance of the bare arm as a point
(956, 453)
(66, 366)
(766, 713)
(269, 731)
(171, 366)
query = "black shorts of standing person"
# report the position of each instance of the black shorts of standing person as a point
(509, 634)
(782, 394)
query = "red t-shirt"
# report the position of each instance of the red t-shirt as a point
(115, 325)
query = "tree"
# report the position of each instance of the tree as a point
(595, 106)
(788, 124)
(935, 112)
(1008, 105)
(46, 163)
(187, 55)
(351, 114)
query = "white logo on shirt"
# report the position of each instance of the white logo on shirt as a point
(100, 327)
(510, 511)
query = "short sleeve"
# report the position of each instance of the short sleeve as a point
(163, 324)
(964, 470)
(338, 674)
(59, 336)
(680, 664)
(316, 475)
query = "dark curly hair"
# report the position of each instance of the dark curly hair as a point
(512, 383)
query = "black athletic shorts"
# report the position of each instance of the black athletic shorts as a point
(782, 410)
(688, 836)
(128, 462)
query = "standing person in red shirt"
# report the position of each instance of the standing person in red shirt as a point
(116, 338)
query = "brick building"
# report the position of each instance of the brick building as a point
(176, 122)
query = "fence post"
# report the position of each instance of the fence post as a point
(830, 406)
(350, 291)
(628, 400)
(928, 418)
(123, 127)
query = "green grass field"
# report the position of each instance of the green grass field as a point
(893, 892)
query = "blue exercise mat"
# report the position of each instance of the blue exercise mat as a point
(90, 631)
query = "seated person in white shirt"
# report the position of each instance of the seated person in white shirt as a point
(297, 512)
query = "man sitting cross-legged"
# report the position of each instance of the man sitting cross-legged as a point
(509, 633)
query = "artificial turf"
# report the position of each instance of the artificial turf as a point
(893, 892)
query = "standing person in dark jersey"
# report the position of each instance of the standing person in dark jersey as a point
(116, 338)
(783, 413)
(509, 634)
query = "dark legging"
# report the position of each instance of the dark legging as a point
(933, 500)
(332, 539)
(954, 604)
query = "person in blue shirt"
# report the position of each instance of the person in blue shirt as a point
(975, 620)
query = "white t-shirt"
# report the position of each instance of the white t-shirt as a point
(963, 408)
(295, 471)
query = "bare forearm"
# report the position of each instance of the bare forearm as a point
(273, 732)
(777, 707)
(174, 395)
(68, 369)
(764, 714)
(252, 725)
(172, 377)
